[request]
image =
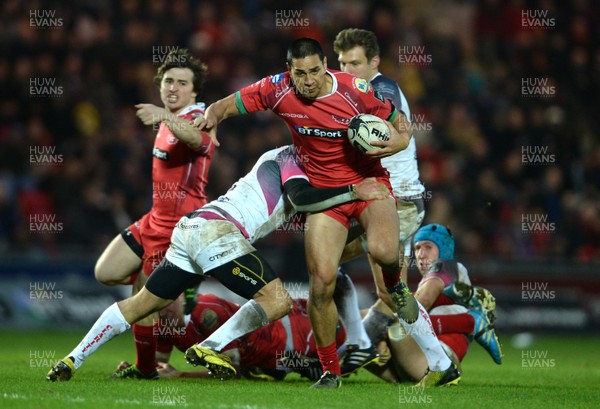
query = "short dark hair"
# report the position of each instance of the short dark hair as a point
(352, 37)
(304, 47)
(182, 58)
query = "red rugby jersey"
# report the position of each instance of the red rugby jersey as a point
(319, 126)
(179, 173)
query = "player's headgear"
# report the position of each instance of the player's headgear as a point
(440, 235)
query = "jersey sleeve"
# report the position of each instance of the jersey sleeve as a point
(445, 270)
(263, 94)
(388, 89)
(190, 116)
(289, 165)
(373, 102)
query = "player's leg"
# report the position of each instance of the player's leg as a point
(167, 282)
(121, 259)
(219, 249)
(414, 317)
(325, 238)
(359, 350)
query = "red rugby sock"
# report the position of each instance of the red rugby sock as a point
(145, 346)
(329, 359)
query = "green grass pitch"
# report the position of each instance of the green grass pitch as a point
(551, 372)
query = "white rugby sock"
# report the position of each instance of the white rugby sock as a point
(110, 324)
(422, 332)
(250, 317)
(347, 304)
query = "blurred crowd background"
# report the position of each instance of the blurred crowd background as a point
(478, 122)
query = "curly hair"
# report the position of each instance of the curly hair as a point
(182, 58)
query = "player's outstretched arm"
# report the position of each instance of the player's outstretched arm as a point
(306, 198)
(182, 129)
(400, 133)
(215, 113)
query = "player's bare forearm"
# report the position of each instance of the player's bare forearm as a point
(215, 113)
(400, 133)
(183, 130)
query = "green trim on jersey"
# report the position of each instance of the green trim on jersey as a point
(393, 115)
(239, 104)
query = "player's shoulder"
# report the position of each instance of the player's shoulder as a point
(385, 85)
(348, 81)
(447, 267)
(192, 111)
(279, 78)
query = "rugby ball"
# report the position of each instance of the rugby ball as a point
(365, 128)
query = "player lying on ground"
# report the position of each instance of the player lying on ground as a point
(257, 355)
(457, 318)
(217, 240)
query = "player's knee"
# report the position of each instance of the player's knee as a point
(322, 288)
(385, 254)
(276, 297)
(102, 276)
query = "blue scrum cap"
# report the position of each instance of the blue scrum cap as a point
(440, 235)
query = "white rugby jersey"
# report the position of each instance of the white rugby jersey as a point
(402, 166)
(255, 203)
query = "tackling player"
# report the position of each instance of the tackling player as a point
(181, 160)
(217, 240)
(317, 104)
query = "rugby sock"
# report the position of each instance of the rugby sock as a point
(396, 332)
(376, 324)
(329, 359)
(453, 323)
(390, 278)
(347, 303)
(145, 347)
(110, 324)
(458, 343)
(186, 338)
(250, 317)
(422, 332)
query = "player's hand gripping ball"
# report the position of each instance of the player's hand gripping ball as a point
(364, 129)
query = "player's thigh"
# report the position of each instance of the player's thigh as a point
(380, 221)
(117, 263)
(409, 357)
(324, 241)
